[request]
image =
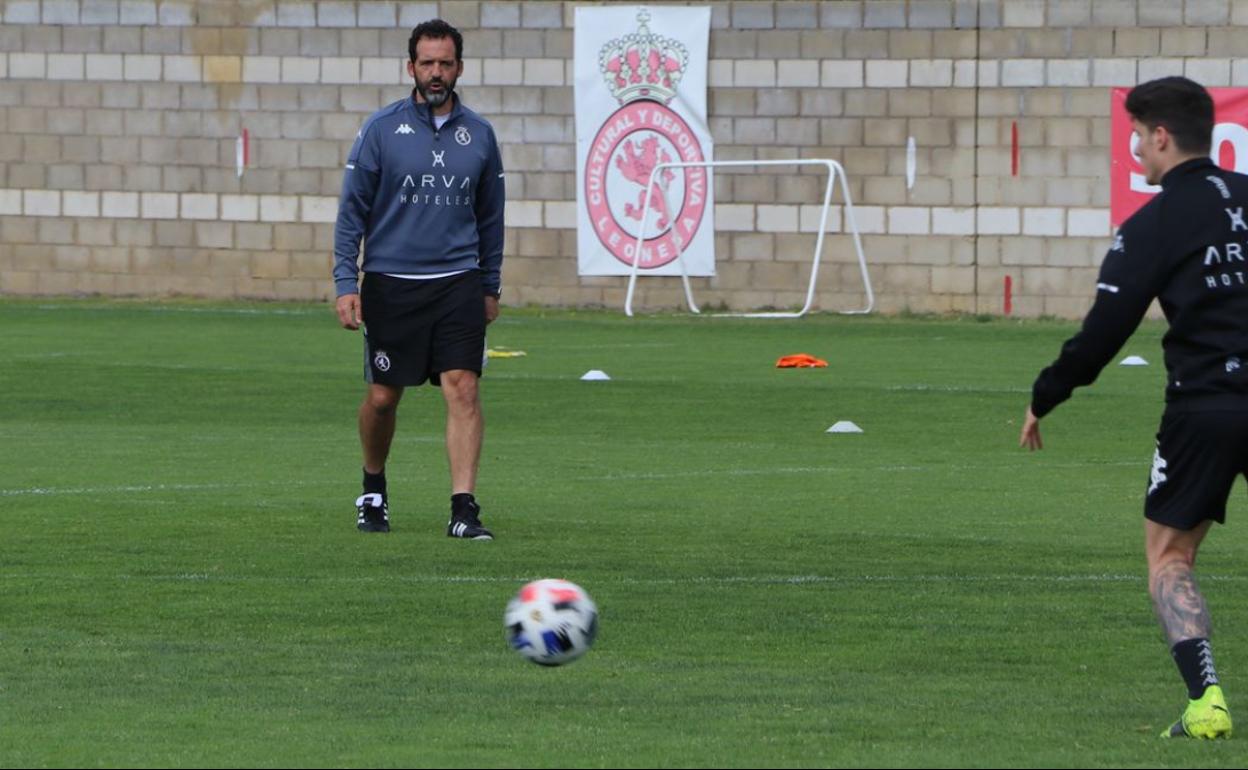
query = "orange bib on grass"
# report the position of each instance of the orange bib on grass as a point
(800, 361)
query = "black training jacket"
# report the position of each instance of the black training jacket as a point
(1186, 247)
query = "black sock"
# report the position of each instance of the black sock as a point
(461, 500)
(1195, 660)
(375, 482)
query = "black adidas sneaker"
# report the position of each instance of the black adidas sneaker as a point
(372, 513)
(466, 522)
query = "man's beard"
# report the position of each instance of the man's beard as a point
(435, 99)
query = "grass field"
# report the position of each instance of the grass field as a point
(181, 582)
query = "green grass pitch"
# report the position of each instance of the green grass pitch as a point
(181, 582)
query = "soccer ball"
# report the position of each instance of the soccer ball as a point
(551, 622)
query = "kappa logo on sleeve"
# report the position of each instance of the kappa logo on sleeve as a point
(1222, 188)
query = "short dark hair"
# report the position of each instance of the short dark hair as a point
(435, 29)
(1183, 106)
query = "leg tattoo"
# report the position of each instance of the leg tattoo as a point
(1180, 606)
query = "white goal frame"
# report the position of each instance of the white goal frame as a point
(835, 171)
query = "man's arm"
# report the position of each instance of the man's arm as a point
(1122, 297)
(359, 189)
(1124, 290)
(491, 199)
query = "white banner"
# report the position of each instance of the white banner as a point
(641, 77)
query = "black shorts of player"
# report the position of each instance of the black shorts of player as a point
(416, 329)
(1198, 457)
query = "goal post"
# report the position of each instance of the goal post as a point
(835, 172)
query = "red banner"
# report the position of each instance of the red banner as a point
(1127, 188)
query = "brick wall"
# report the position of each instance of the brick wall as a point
(118, 121)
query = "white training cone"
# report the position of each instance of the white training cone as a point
(844, 426)
(594, 375)
(1133, 361)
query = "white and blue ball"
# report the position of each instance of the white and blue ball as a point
(551, 622)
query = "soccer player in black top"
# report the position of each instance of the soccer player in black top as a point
(1186, 248)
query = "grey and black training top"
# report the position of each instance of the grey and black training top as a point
(424, 200)
(1187, 248)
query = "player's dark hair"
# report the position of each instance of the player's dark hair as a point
(1183, 106)
(435, 29)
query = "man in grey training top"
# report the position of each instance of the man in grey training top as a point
(423, 189)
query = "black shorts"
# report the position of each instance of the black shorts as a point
(1198, 457)
(416, 329)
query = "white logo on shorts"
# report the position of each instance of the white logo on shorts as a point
(462, 136)
(1158, 477)
(381, 361)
